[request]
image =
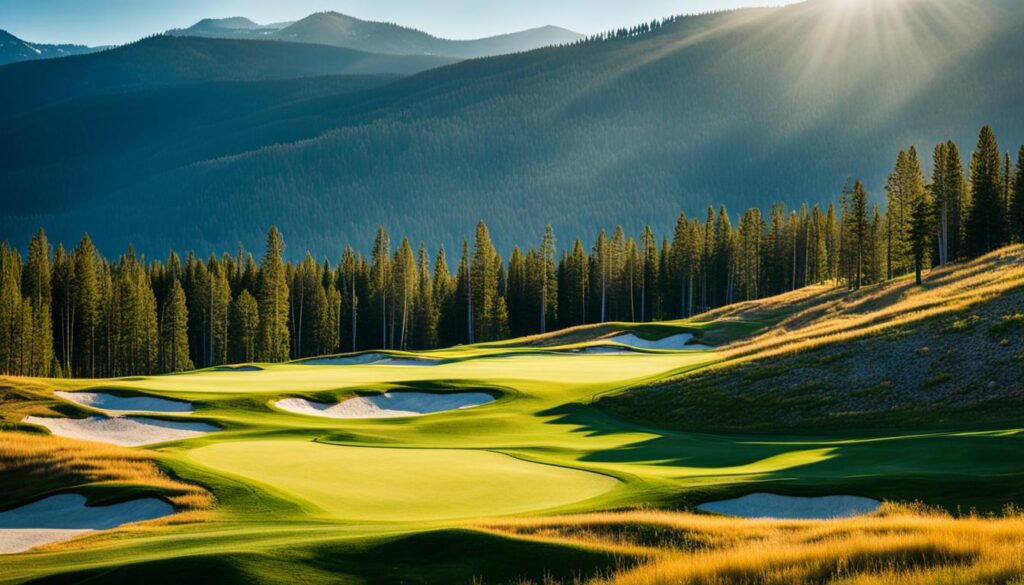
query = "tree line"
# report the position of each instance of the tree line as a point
(74, 313)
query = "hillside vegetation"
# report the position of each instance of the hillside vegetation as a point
(950, 352)
(161, 62)
(638, 126)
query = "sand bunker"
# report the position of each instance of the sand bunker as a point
(110, 402)
(368, 359)
(127, 431)
(791, 508)
(680, 341)
(388, 405)
(66, 516)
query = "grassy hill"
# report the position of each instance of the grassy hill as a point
(950, 353)
(629, 130)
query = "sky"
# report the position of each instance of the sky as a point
(105, 22)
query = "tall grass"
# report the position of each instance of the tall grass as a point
(824, 317)
(33, 464)
(898, 546)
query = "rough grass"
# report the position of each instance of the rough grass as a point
(945, 354)
(33, 465)
(898, 546)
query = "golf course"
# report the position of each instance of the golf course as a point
(325, 471)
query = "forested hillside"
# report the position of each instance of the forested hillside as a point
(161, 62)
(340, 30)
(76, 312)
(738, 108)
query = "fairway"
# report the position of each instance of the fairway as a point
(317, 486)
(396, 485)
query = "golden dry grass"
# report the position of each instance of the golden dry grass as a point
(824, 316)
(29, 462)
(898, 546)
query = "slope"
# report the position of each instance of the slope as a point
(891, 356)
(740, 108)
(160, 62)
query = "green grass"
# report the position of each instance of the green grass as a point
(305, 499)
(402, 485)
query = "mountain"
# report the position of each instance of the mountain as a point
(339, 30)
(741, 108)
(13, 49)
(232, 27)
(164, 61)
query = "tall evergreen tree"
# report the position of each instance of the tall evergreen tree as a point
(86, 298)
(245, 327)
(986, 219)
(1017, 200)
(380, 280)
(859, 232)
(174, 332)
(548, 283)
(274, 340)
(38, 291)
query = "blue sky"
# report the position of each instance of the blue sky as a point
(101, 22)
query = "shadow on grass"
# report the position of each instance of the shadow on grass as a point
(447, 556)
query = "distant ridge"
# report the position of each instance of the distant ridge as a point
(340, 30)
(14, 50)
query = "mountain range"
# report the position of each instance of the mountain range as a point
(742, 108)
(13, 49)
(340, 30)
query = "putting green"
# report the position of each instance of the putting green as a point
(377, 484)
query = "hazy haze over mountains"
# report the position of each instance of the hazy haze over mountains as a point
(741, 108)
(339, 30)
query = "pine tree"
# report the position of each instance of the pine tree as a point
(517, 293)
(273, 295)
(405, 288)
(219, 316)
(86, 298)
(958, 202)
(1017, 200)
(986, 220)
(859, 232)
(37, 290)
(484, 280)
(11, 311)
(445, 301)
(380, 280)
(174, 332)
(426, 307)
(548, 284)
(245, 327)
(350, 297)
(921, 223)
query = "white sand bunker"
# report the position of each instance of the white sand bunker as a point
(66, 516)
(127, 431)
(110, 402)
(388, 405)
(368, 359)
(680, 341)
(791, 508)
